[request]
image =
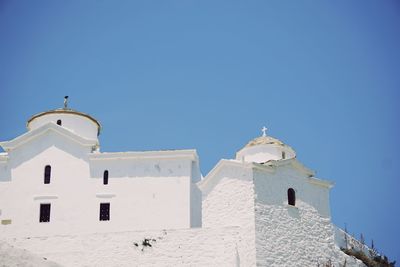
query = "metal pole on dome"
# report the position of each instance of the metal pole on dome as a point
(65, 102)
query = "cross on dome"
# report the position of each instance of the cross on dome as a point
(264, 131)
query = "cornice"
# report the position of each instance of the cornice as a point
(320, 182)
(190, 154)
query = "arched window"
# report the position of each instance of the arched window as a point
(291, 195)
(59, 122)
(105, 177)
(47, 174)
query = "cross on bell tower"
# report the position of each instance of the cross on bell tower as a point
(264, 131)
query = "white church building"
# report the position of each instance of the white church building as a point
(64, 200)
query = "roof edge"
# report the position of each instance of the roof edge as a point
(206, 182)
(50, 126)
(323, 183)
(184, 153)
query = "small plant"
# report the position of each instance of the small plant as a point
(146, 242)
(358, 249)
(362, 240)
(377, 261)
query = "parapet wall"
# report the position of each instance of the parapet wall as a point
(189, 247)
(345, 240)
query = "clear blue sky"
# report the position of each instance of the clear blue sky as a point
(323, 76)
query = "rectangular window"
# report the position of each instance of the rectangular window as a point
(104, 211)
(44, 213)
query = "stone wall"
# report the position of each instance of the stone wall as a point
(293, 235)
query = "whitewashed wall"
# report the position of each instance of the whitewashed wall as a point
(254, 197)
(191, 247)
(11, 256)
(300, 235)
(145, 192)
(242, 207)
(229, 201)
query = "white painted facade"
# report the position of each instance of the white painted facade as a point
(146, 190)
(238, 215)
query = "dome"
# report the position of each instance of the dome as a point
(264, 148)
(77, 122)
(264, 140)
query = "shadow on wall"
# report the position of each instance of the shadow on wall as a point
(5, 172)
(195, 206)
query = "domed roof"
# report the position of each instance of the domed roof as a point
(65, 110)
(265, 148)
(264, 140)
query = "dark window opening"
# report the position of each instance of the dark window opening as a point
(283, 155)
(47, 174)
(44, 213)
(105, 177)
(59, 122)
(291, 197)
(104, 211)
